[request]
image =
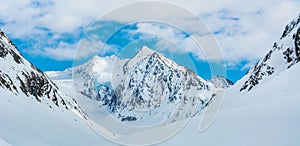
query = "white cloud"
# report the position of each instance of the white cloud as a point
(204, 47)
(56, 15)
(148, 28)
(64, 51)
(85, 49)
(259, 23)
(92, 46)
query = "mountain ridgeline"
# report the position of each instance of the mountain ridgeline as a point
(284, 54)
(19, 76)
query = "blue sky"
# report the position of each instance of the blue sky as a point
(124, 43)
(47, 32)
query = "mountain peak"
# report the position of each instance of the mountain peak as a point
(97, 58)
(221, 82)
(145, 51)
(148, 80)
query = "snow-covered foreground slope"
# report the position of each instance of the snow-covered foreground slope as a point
(24, 122)
(266, 116)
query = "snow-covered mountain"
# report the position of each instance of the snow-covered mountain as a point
(151, 82)
(19, 76)
(220, 82)
(96, 71)
(147, 82)
(284, 54)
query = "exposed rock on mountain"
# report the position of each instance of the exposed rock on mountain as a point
(19, 76)
(284, 54)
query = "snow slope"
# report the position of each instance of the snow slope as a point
(4, 143)
(284, 54)
(19, 76)
(266, 116)
(24, 122)
(34, 111)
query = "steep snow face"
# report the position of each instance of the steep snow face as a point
(284, 54)
(220, 82)
(19, 76)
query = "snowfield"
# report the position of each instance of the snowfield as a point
(26, 122)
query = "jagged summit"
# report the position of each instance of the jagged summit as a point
(144, 51)
(145, 54)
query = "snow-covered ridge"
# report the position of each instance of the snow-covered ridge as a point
(284, 54)
(19, 76)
